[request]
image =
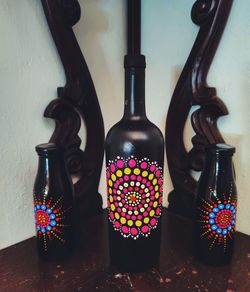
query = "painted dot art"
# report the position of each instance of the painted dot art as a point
(49, 218)
(217, 218)
(134, 190)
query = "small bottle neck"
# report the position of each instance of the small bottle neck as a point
(47, 165)
(134, 107)
(219, 167)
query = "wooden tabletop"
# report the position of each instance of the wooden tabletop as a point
(88, 270)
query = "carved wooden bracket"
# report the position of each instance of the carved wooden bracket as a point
(192, 89)
(75, 100)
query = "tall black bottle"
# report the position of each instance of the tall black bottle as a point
(53, 204)
(216, 207)
(134, 157)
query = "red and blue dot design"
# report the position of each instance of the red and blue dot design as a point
(44, 218)
(217, 218)
(134, 190)
(49, 219)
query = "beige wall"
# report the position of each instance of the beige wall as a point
(30, 71)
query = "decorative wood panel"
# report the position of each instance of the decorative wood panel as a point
(76, 100)
(191, 90)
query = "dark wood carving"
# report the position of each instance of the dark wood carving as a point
(76, 100)
(192, 89)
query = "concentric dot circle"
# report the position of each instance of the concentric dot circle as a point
(134, 195)
(45, 218)
(222, 218)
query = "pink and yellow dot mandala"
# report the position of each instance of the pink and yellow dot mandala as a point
(134, 190)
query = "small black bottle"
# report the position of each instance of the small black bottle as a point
(53, 204)
(216, 207)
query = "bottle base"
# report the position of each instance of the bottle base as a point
(213, 262)
(54, 257)
(133, 268)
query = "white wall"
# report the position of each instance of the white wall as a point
(30, 71)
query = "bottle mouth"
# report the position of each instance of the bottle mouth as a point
(134, 61)
(220, 148)
(47, 149)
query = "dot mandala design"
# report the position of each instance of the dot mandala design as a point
(217, 218)
(134, 195)
(49, 218)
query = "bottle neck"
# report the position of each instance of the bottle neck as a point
(134, 93)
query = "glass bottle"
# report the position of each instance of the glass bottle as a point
(53, 204)
(134, 158)
(216, 204)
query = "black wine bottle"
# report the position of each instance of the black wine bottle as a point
(53, 204)
(216, 207)
(134, 157)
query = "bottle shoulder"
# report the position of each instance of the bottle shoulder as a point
(137, 128)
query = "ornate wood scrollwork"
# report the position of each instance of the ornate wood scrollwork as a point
(192, 89)
(75, 100)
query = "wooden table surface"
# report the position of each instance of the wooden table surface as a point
(88, 270)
